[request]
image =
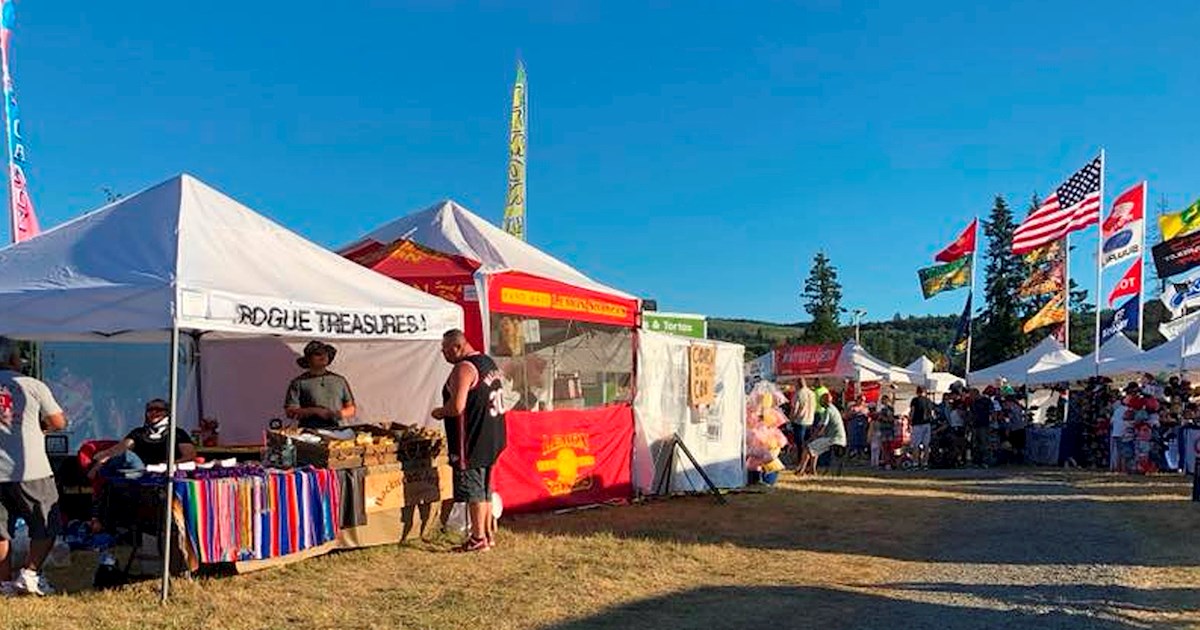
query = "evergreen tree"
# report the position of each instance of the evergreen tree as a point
(822, 301)
(999, 335)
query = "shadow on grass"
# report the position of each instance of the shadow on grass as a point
(814, 607)
(1073, 597)
(839, 517)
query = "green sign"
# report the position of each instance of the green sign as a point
(695, 326)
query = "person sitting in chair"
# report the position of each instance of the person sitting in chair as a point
(145, 445)
(318, 398)
(833, 433)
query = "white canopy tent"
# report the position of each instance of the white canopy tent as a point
(1047, 354)
(183, 257)
(1177, 355)
(1118, 347)
(933, 380)
(857, 364)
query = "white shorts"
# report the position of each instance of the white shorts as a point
(921, 434)
(819, 446)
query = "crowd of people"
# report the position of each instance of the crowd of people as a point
(1131, 429)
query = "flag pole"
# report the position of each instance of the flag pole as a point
(1142, 262)
(1100, 267)
(971, 295)
(1067, 290)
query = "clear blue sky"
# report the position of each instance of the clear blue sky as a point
(698, 153)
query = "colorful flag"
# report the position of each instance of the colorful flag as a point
(1123, 229)
(964, 245)
(947, 277)
(1179, 223)
(1175, 327)
(1073, 206)
(1045, 279)
(1045, 253)
(1130, 284)
(514, 203)
(1178, 255)
(1126, 317)
(1180, 296)
(1054, 312)
(962, 333)
(22, 218)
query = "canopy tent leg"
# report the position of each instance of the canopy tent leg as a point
(170, 491)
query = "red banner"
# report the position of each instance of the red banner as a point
(807, 360)
(523, 294)
(557, 459)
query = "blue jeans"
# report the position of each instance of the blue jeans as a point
(125, 461)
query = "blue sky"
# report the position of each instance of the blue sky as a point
(698, 153)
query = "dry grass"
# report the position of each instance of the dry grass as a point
(1034, 549)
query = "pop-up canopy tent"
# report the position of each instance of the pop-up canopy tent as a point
(1116, 348)
(1176, 355)
(846, 361)
(563, 342)
(1047, 354)
(181, 257)
(930, 378)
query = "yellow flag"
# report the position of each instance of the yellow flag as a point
(514, 202)
(1180, 223)
(1052, 313)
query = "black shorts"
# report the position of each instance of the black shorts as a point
(36, 501)
(473, 485)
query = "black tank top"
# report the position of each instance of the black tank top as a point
(477, 438)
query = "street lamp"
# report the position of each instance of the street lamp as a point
(857, 314)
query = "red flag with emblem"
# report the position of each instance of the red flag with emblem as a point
(963, 245)
(1130, 284)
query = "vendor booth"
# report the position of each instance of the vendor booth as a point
(1047, 354)
(181, 261)
(1178, 355)
(933, 380)
(713, 431)
(1117, 348)
(564, 342)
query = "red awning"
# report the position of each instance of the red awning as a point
(522, 294)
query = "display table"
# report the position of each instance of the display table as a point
(1042, 444)
(247, 453)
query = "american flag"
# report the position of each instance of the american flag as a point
(1073, 206)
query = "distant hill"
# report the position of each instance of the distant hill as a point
(899, 341)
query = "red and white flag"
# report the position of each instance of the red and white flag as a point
(1130, 284)
(1073, 206)
(962, 246)
(1123, 229)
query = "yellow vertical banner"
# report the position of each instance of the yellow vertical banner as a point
(514, 203)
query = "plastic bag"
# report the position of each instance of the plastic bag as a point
(60, 555)
(456, 523)
(497, 506)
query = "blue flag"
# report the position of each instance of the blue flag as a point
(1126, 317)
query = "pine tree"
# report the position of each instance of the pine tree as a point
(1000, 337)
(822, 297)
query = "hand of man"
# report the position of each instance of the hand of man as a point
(438, 414)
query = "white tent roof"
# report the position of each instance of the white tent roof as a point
(449, 228)
(1118, 347)
(932, 379)
(858, 364)
(182, 253)
(1178, 354)
(1047, 354)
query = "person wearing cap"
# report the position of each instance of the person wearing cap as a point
(318, 398)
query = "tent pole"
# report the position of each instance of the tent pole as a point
(170, 490)
(1099, 271)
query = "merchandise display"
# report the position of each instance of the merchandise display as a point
(764, 438)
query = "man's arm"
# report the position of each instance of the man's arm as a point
(461, 380)
(349, 409)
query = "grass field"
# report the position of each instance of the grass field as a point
(1024, 549)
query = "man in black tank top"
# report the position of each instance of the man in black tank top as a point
(473, 410)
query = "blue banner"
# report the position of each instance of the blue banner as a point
(1126, 317)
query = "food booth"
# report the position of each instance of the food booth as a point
(565, 343)
(225, 291)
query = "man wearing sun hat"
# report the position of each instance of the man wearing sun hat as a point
(318, 398)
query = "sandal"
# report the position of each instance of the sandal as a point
(474, 544)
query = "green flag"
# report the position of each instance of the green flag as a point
(947, 277)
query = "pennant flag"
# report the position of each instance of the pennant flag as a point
(1045, 279)
(514, 203)
(1130, 284)
(1179, 223)
(947, 277)
(22, 218)
(962, 334)
(964, 245)
(1126, 317)
(1123, 229)
(1073, 206)
(1046, 253)
(1054, 312)
(1180, 296)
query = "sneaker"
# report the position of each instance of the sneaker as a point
(30, 583)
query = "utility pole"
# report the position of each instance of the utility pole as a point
(858, 314)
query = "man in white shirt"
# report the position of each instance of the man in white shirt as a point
(804, 413)
(27, 491)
